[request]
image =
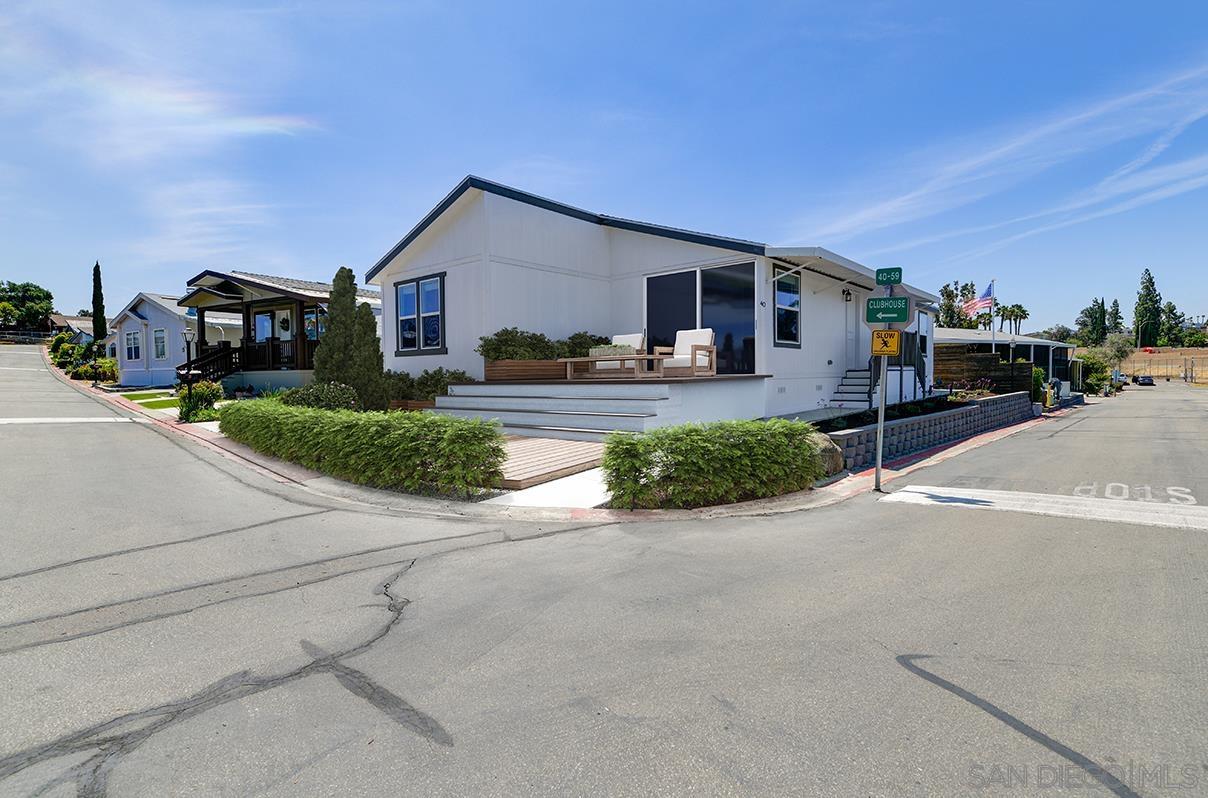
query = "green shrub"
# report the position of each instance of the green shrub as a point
(103, 370)
(400, 386)
(511, 343)
(578, 344)
(699, 465)
(413, 452)
(65, 356)
(434, 383)
(205, 414)
(1037, 383)
(202, 396)
(58, 341)
(323, 395)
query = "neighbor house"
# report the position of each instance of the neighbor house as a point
(78, 327)
(1052, 356)
(147, 338)
(786, 322)
(280, 324)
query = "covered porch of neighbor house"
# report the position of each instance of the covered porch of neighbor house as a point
(283, 321)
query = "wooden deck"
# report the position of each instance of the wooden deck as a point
(532, 461)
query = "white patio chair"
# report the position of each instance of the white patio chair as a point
(693, 355)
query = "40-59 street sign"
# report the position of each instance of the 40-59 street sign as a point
(892, 276)
(887, 310)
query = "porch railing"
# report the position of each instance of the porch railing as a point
(273, 354)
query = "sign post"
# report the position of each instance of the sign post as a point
(889, 310)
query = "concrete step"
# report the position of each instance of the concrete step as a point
(563, 433)
(607, 422)
(577, 389)
(604, 404)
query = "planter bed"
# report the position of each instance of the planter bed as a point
(520, 370)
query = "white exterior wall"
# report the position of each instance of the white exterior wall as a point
(455, 245)
(545, 272)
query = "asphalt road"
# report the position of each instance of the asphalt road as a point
(174, 624)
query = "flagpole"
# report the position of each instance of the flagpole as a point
(993, 332)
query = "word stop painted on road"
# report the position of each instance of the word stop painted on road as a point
(887, 343)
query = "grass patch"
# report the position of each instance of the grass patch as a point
(134, 397)
(160, 404)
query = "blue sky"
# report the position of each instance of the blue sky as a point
(1059, 147)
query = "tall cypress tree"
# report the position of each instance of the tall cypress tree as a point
(1115, 319)
(368, 375)
(99, 329)
(334, 355)
(1148, 312)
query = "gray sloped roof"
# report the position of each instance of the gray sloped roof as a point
(312, 287)
(953, 335)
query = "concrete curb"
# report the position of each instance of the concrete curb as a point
(826, 492)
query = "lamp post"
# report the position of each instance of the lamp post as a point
(188, 333)
(1141, 327)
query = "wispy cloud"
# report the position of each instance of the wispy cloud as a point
(158, 98)
(206, 220)
(1168, 106)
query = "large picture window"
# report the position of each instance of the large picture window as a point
(788, 309)
(421, 316)
(159, 339)
(133, 348)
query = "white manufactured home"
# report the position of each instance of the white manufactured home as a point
(786, 322)
(147, 342)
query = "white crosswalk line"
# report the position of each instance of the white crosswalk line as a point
(19, 368)
(1121, 511)
(76, 420)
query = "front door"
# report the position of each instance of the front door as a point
(852, 333)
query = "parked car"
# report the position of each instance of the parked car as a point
(1145, 379)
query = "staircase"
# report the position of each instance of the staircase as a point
(580, 411)
(852, 392)
(212, 366)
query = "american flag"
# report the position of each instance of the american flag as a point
(983, 302)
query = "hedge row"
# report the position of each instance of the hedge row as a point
(412, 452)
(699, 465)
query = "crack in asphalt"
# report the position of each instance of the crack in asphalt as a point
(113, 740)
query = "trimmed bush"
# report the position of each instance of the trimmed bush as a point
(58, 341)
(700, 465)
(1037, 383)
(201, 397)
(412, 452)
(434, 383)
(400, 386)
(323, 395)
(512, 343)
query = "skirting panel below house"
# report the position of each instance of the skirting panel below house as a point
(268, 380)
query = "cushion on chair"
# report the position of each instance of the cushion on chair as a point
(686, 339)
(684, 361)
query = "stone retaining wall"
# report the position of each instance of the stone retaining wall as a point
(907, 435)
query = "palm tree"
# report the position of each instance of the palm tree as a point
(1019, 316)
(1006, 314)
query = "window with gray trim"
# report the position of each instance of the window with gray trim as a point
(160, 339)
(421, 315)
(788, 309)
(133, 349)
